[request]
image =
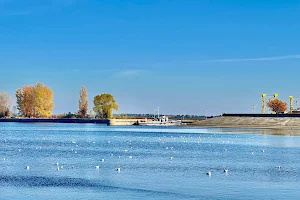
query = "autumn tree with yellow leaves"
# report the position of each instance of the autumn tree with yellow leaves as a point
(35, 100)
(104, 105)
(277, 106)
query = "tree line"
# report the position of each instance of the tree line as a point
(36, 101)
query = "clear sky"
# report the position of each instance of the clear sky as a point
(186, 56)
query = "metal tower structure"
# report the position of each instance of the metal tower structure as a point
(294, 104)
(291, 104)
(263, 96)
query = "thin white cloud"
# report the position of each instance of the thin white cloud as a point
(18, 13)
(224, 60)
(296, 56)
(128, 73)
(9, 8)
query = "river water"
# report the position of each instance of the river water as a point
(155, 163)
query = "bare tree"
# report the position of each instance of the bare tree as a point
(5, 103)
(83, 102)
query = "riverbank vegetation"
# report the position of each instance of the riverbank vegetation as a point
(36, 101)
(104, 105)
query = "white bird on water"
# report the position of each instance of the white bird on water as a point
(208, 173)
(97, 167)
(118, 170)
(226, 170)
(27, 167)
(102, 160)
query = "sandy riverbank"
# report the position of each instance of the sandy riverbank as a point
(251, 122)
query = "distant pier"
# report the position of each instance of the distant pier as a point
(124, 122)
(109, 122)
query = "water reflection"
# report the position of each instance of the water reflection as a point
(284, 132)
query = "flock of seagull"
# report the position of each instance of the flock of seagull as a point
(209, 173)
(59, 167)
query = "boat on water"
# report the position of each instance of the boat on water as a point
(160, 121)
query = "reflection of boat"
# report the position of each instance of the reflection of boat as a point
(161, 121)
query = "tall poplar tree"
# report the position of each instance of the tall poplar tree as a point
(83, 102)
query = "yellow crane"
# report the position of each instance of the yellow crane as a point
(291, 104)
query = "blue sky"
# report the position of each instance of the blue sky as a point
(186, 56)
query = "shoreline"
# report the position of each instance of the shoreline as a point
(283, 123)
(277, 123)
(246, 127)
(53, 120)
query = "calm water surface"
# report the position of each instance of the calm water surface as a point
(155, 163)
